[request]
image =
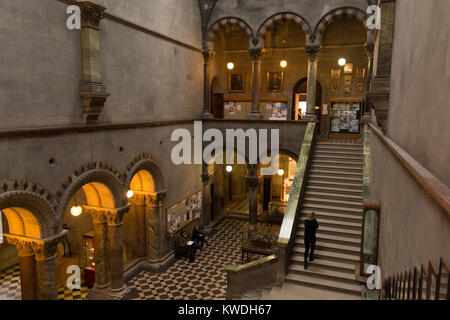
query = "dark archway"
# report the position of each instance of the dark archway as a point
(299, 95)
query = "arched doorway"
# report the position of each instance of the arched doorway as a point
(299, 99)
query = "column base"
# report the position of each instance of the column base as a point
(207, 115)
(255, 116)
(160, 263)
(118, 294)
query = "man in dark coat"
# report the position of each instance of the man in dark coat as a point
(311, 226)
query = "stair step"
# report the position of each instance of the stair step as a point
(318, 148)
(337, 158)
(334, 184)
(335, 223)
(330, 255)
(339, 203)
(334, 168)
(329, 284)
(328, 208)
(327, 264)
(336, 173)
(339, 145)
(337, 152)
(337, 196)
(335, 231)
(339, 248)
(330, 178)
(331, 238)
(319, 272)
(341, 216)
(334, 190)
(356, 164)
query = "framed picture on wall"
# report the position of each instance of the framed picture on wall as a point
(335, 74)
(361, 73)
(348, 80)
(347, 90)
(236, 82)
(275, 81)
(348, 68)
(335, 86)
(360, 86)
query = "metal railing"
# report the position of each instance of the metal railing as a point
(426, 284)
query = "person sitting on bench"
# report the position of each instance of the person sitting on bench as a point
(199, 236)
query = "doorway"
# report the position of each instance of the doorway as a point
(217, 107)
(299, 99)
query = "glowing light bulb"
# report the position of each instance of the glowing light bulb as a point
(280, 172)
(342, 62)
(229, 168)
(76, 211)
(230, 65)
(130, 194)
(283, 63)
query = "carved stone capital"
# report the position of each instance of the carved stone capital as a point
(93, 96)
(24, 248)
(115, 217)
(98, 214)
(206, 177)
(251, 181)
(91, 14)
(256, 50)
(370, 49)
(312, 51)
(208, 55)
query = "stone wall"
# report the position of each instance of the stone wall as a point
(419, 105)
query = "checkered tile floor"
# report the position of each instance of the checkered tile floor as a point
(10, 287)
(203, 279)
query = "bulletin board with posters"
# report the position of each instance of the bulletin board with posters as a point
(277, 110)
(184, 212)
(345, 118)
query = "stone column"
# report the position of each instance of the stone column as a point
(117, 286)
(256, 51)
(207, 57)
(100, 243)
(154, 228)
(206, 201)
(27, 268)
(370, 47)
(45, 255)
(252, 182)
(312, 83)
(92, 91)
(140, 211)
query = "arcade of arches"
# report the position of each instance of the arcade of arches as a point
(88, 187)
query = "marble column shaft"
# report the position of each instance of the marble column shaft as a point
(207, 56)
(206, 201)
(311, 83)
(115, 238)
(256, 53)
(27, 262)
(252, 182)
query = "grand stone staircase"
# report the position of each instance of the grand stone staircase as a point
(334, 191)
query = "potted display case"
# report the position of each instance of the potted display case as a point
(89, 259)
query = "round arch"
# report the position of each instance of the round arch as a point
(29, 209)
(332, 15)
(284, 16)
(223, 22)
(149, 172)
(98, 177)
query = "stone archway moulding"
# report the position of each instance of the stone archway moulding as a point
(145, 161)
(34, 198)
(223, 22)
(92, 172)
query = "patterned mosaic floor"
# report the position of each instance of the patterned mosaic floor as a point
(203, 279)
(10, 287)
